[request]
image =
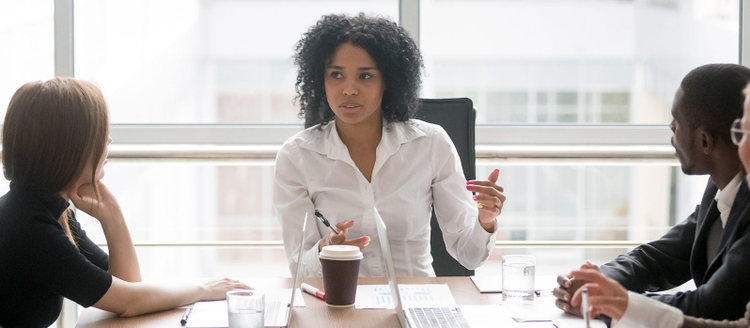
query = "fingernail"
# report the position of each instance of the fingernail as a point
(479, 206)
(469, 187)
(469, 182)
(496, 170)
(566, 297)
(475, 197)
(367, 241)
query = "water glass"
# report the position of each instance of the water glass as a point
(518, 277)
(245, 308)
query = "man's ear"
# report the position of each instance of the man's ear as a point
(707, 141)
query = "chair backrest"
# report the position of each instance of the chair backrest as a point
(457, 117)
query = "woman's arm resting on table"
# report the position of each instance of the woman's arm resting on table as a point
(129, 299)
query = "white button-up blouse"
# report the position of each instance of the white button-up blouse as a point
(416, 166)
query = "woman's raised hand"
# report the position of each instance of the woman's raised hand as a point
(340, 238)
(489, 197)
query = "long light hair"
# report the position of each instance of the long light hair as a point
(52, 131)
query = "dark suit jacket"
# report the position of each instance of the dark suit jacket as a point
(723, 285)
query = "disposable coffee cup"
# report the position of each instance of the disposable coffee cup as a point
(340, 272)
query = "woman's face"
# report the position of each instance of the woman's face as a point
(744, 147)
(354, 86)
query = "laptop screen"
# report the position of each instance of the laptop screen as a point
(296, 272)
(390, 270)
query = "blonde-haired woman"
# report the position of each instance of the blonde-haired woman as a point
(55, 138)
(628, 309)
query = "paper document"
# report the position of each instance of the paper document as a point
(493, 316)
(543, 309)
(379, 296)
(494, 284)
(214, 314)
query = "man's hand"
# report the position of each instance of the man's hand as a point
(567, 287)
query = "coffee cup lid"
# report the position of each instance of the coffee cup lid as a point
(341, 253)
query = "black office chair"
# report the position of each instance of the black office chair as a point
(457, 116)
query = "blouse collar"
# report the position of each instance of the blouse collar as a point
(328, 142)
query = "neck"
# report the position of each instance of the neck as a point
(364, 135)
(725, 170)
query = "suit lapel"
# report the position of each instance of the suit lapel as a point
(707, 215)
(700, 248)
(735, 215)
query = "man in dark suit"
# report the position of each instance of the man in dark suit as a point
(712, 246)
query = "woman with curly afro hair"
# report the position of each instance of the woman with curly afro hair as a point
(358, 89)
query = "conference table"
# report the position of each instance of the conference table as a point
(317, 314)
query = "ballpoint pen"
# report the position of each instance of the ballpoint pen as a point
(585, 306)
(325, 222)
(185, 316)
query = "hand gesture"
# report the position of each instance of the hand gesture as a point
(340, 238)
(489, 197)
(103, 209)
(606, 296)
(568, 286)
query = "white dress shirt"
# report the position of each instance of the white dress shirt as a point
(725, 197)
(644, 312)
(416, 164)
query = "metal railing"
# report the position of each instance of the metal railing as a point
(498, 244)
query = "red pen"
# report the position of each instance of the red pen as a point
(313, 291)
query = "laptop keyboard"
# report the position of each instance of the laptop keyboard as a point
(442, 317)
(274, 315)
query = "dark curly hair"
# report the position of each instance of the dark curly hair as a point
(394, 52)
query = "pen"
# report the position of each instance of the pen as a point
(186, 315)
(313, 291)
(325, 222)
(585, 306)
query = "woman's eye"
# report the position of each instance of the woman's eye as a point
(336, 75)
(365, 76)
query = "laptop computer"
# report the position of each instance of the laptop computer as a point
(429, 317)
(278, 314)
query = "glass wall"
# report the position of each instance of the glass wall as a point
(572, 61)
(532, 62)
(27, 38)
(207, 203)
(195, 61)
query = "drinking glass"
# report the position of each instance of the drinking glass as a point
(245, 308)
(518, 277)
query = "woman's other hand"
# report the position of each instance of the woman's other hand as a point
(216, 289)
(340, 238)
(490, 199)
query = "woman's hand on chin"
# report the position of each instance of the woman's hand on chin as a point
(105, 208)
